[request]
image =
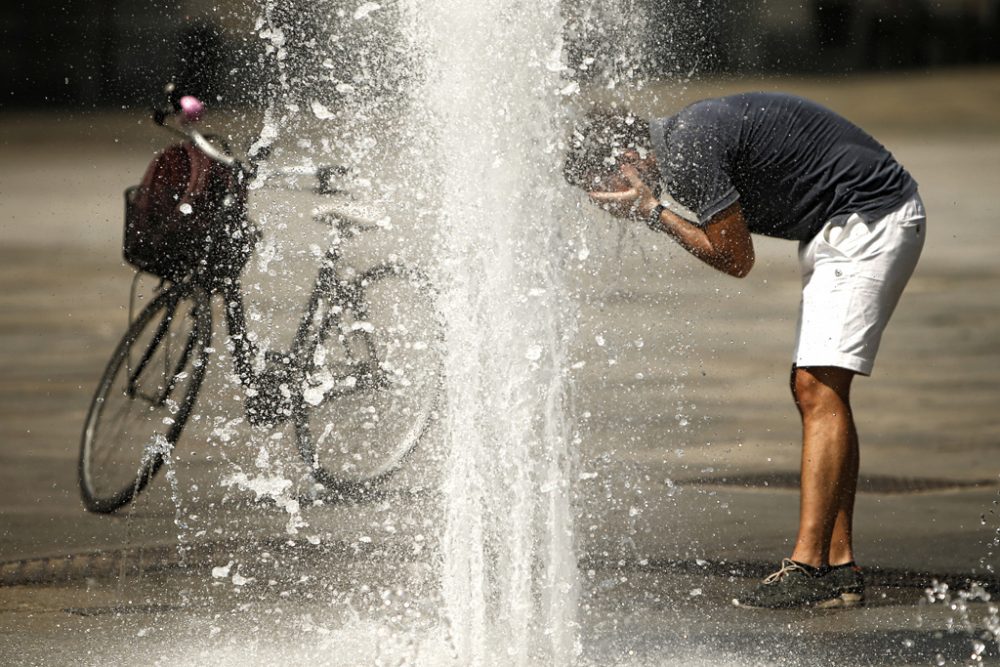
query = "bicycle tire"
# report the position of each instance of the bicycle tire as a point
(144, 397)
(350, 445)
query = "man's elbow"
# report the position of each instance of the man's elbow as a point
(741, 268)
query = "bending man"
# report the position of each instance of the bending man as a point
(782, 166)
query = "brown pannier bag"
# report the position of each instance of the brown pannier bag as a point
(188, 217)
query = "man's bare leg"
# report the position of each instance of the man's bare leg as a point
(830, 459)
(841, 542)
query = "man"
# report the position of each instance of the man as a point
(781, 166)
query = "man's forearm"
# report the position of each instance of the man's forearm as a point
(696, 241)
(691, 237)
(723, 243)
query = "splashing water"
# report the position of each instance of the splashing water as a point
(472, 133)
(493, 91)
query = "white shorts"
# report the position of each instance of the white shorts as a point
(853, 273)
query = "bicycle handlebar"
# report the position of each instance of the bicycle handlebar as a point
(190, 110)
(206, 147)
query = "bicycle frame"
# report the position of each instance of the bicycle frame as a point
(274, 395)
(336, 352)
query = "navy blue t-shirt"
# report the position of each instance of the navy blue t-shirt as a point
(791, 163)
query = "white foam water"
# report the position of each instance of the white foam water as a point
(479, 124)
(492, 94)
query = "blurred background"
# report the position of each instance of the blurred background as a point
(76, 79)
(688, 380)
(106, 53)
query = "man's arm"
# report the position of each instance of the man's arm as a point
(724, 243)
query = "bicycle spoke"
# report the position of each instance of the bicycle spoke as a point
(123, 409)
(144, 398)
(367, 410)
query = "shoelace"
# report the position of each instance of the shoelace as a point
(787, 566)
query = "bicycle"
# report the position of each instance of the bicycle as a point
(361, 380)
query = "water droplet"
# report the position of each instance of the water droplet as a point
(221, 572)
(363, 11)
(239, 580)
(320, 111)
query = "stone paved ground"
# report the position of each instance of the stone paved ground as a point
(710, 402)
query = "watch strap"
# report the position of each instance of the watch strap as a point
(653, 221)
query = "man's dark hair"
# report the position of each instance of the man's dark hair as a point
(598, 140)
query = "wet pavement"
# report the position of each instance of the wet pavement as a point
(630, 617)
(685, 391)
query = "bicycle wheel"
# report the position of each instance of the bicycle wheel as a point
(374, 382)
(144, 397)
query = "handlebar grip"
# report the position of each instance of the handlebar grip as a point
(191, 108)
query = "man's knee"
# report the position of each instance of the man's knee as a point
(821, 389)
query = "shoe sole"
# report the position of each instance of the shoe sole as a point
(843, 601)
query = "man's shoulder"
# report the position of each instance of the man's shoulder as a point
(746, 103)
(709, 112)
(709, 120)
(721, 116)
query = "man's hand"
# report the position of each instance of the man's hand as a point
(635, 202)
(723, 242)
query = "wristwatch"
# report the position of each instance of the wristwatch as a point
(653, 221)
